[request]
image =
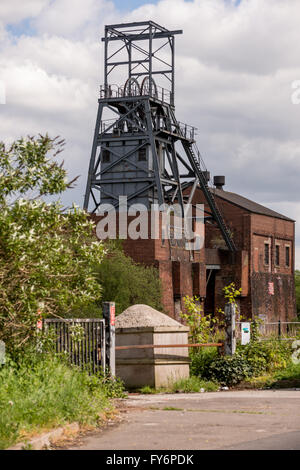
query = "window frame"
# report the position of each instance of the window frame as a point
(267, 244)
(288, 258)
(277, 247)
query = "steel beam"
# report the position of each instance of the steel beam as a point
(143, 37)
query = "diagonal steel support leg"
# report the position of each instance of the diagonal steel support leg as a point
(93, 157)
(154, 153)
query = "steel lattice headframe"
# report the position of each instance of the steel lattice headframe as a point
(135, 153)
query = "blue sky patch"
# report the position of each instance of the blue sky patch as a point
(22, 28)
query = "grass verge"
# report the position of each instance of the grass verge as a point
(47, 393)
(193, 385)
(288, 377)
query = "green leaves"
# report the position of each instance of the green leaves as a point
(201, 326)
(42, 391)
(231, 293)
(30, 166)
(229, 370)
(126, 282)
(46, 255)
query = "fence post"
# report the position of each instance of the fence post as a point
(108, 310)
(230, 339)
(279, 329)
(2, 352)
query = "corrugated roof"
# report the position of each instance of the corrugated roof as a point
(247, 204)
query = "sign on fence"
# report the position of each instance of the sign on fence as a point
(245, 333)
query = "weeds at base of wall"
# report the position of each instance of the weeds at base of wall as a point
(189, 385)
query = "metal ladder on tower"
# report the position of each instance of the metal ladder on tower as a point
(188, 147)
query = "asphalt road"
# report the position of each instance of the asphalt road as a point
(252, 420)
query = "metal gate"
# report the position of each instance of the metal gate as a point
(83, 340)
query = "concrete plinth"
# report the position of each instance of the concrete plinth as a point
(157, 367)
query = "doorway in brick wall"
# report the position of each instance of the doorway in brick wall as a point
(209, 304)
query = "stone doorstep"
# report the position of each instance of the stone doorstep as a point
(45, 440)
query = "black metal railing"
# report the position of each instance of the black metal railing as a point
(81, 340)
(116, 91)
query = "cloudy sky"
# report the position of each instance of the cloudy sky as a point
(236, 63)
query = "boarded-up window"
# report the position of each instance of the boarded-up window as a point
(255, 260)
(287, 256)
(277, 255)
(267, 254)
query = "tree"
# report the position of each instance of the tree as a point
(126, 282)
(47, 254)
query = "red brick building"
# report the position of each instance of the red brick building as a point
(263, 265)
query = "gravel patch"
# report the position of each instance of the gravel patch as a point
(142, 316)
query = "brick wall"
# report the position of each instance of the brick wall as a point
(175, 266)
(184, 273)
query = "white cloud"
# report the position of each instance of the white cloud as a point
(14, 11)
(74, 18)
(56, 55)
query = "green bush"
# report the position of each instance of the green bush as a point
(45, 392)
(127, 283)
(250, 360)
(201, 326)
(201, 360)
(46, 253)
(266, 356)
(229, 370)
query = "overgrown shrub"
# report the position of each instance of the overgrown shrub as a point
(203, 328)
(201, 360)
(127, 283)
(266, 356)
(250, 360)
(229, 370)
(46, 253)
